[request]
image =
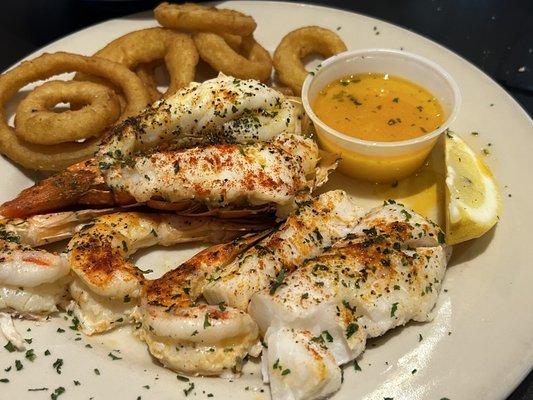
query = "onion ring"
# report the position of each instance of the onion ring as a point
(35, 123)
(147, 74)
(194, 17)
(152, 44)
(298, 44)
(57, 157)
(256, 62)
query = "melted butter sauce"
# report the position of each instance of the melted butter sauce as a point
(424, 191)
(378, 107)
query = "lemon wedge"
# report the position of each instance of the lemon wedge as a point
(473, 199)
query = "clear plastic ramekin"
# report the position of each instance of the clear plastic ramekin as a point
(381, 161)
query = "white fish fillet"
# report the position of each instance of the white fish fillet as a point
(387, 272)
(316, 225)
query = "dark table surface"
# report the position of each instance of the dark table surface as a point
(495, 35)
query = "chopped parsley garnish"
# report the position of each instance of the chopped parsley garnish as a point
(18, 365)
(393, 309)
(182, 378)
(4, 380)
(30, 355)
(9, 347)
(59, 330)
(278, 281)
(370, 232)
(47, 352)
(356, 366)
(206, 321)
(57, 365)
(351, 329)
(104, 165)
(96, 371)
(114, 357)
(75, 324)
(189, 389)
(286, 371)
(407, 215)
(420, 338)
(38, 389)
(327, 336)
(57, 392)
(77, 383)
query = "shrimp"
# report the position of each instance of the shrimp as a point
(107, 286)
(252, 152)
(388, 271)
(197, 338)
(317, 224)
(43, 229)
(32, 282)
(80, 184)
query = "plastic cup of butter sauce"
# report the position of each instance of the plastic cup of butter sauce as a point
(381, 161)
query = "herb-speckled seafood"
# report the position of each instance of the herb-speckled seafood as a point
(388, 271)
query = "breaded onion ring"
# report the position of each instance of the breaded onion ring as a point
(147, 74)
(298, 44)
(35, 123)
(152, 44)
(254, 63)
(57, 157)
(194, 17)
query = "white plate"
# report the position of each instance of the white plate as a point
(480, 344)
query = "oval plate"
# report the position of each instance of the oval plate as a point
(480, 344)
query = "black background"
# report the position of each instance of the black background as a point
(495, 35)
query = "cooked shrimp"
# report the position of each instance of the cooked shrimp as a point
(316, 225)
(81, 183)
(8, 330)
(197, 338)
(219, 110)
(32, 282)
(48, 228)
(386, 273)
(107, 285)
(252, 153)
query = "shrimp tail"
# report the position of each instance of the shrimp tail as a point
(7, 328)
(64, 189)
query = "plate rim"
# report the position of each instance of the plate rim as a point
(521, 370)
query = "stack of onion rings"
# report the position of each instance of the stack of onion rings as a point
(144, 48)
(19, 148)
(298, 44)
(223, 38)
